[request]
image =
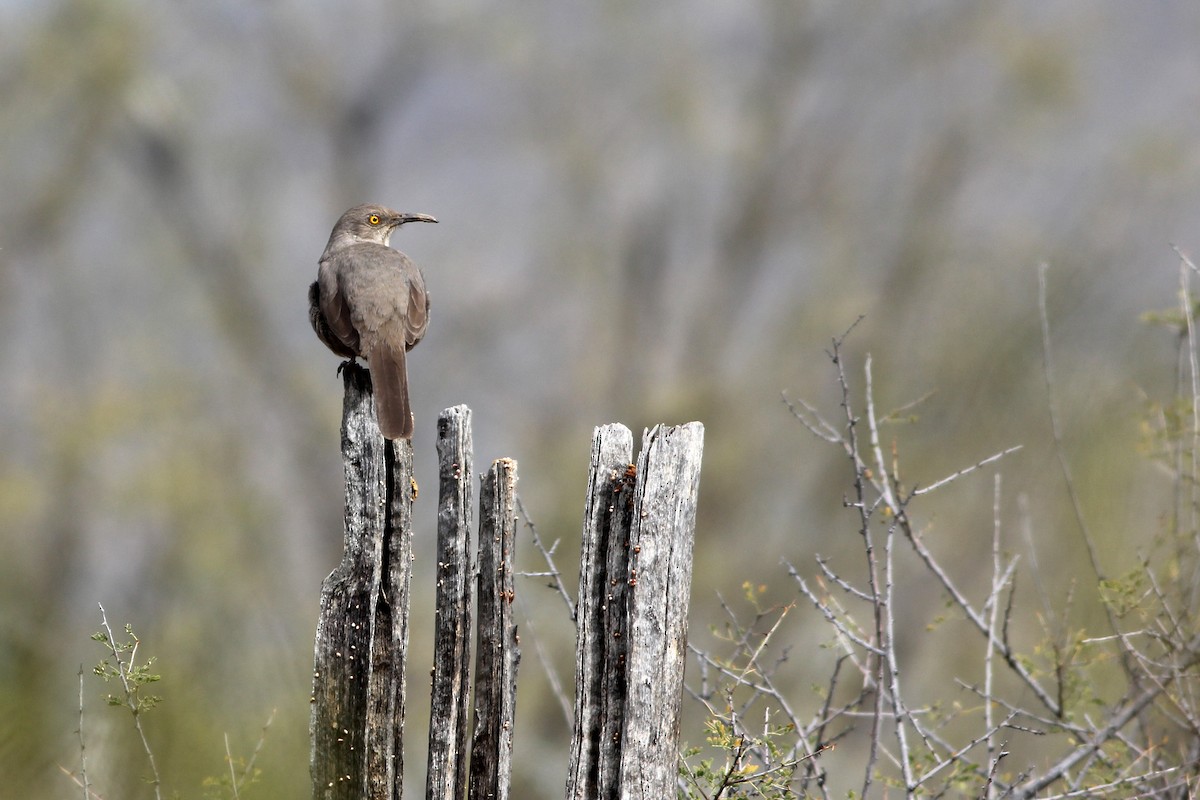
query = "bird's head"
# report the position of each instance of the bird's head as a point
(371, 223)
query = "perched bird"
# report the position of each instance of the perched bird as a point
(369, 301)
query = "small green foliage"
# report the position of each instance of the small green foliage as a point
(1171, 318)
(754, 594)
(224, 787)
(748, 765)
(120, 664)
(1125, 593)
(1166, 429)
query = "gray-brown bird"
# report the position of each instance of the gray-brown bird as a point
(369, 301)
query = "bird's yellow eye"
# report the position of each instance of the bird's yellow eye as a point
(373, 219)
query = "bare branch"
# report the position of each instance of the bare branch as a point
(841, 582)
(813, 421)
(548, 555)
(1056, 428)
(966, 471)
(83, 776)
(556, 685)
(1185, 303)
(1097, 740)
(980, 623)
(958, 754)
(830, 616)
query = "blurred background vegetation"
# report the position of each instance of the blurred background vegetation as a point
(649, 213)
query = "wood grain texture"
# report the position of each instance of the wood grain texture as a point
(497, 653)
(601, 613)
(450, 691)
(660, 579)
(635, 587)
(362, 633)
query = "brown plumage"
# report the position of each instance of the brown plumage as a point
(369, 301)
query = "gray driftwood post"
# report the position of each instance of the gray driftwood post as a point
(498, 653)
(362, 633)
(635, 583)
(594, 766)
(447, 764)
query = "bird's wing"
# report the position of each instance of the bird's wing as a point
(417, 319)
(316, 317)
(333, 304)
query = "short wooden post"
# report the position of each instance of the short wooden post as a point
(593, 770)
(447, 765)
(632, 613)
(497, 649)
(362, 633)
(660, 569)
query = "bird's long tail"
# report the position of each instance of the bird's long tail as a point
(389, 374)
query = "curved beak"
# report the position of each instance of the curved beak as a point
(414, 218)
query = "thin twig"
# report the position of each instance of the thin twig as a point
(83, 776)
(1091, 791)
(978, 621)
(556, 686)
(830, 617)
(887, 631)
(993, 767)
(233, 779)
(899, 709)
(1027, 535)
(247, 771)
(864, 521)
(1097, 740)
(1056, 427)
(812, 421)
(548, 555)
(130, 698)
(838, 580)
(966, 470)
(957, 755)
(1185, 301)
(989, 655)
(873, 429)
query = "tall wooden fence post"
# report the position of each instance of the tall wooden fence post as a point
(450, 690)
(593, 770)
(362, 633)
(635, 585)
(660, 570)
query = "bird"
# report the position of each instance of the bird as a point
(369, 301)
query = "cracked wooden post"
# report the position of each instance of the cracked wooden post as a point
(450, 691)
(593, 770)
(635, 585)
(362, 633)
(497, 651)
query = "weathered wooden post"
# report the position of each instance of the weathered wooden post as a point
(635, 584)
(632, 617)
(447, 764)
(600, 616)
(497, 649)
(362, 633)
